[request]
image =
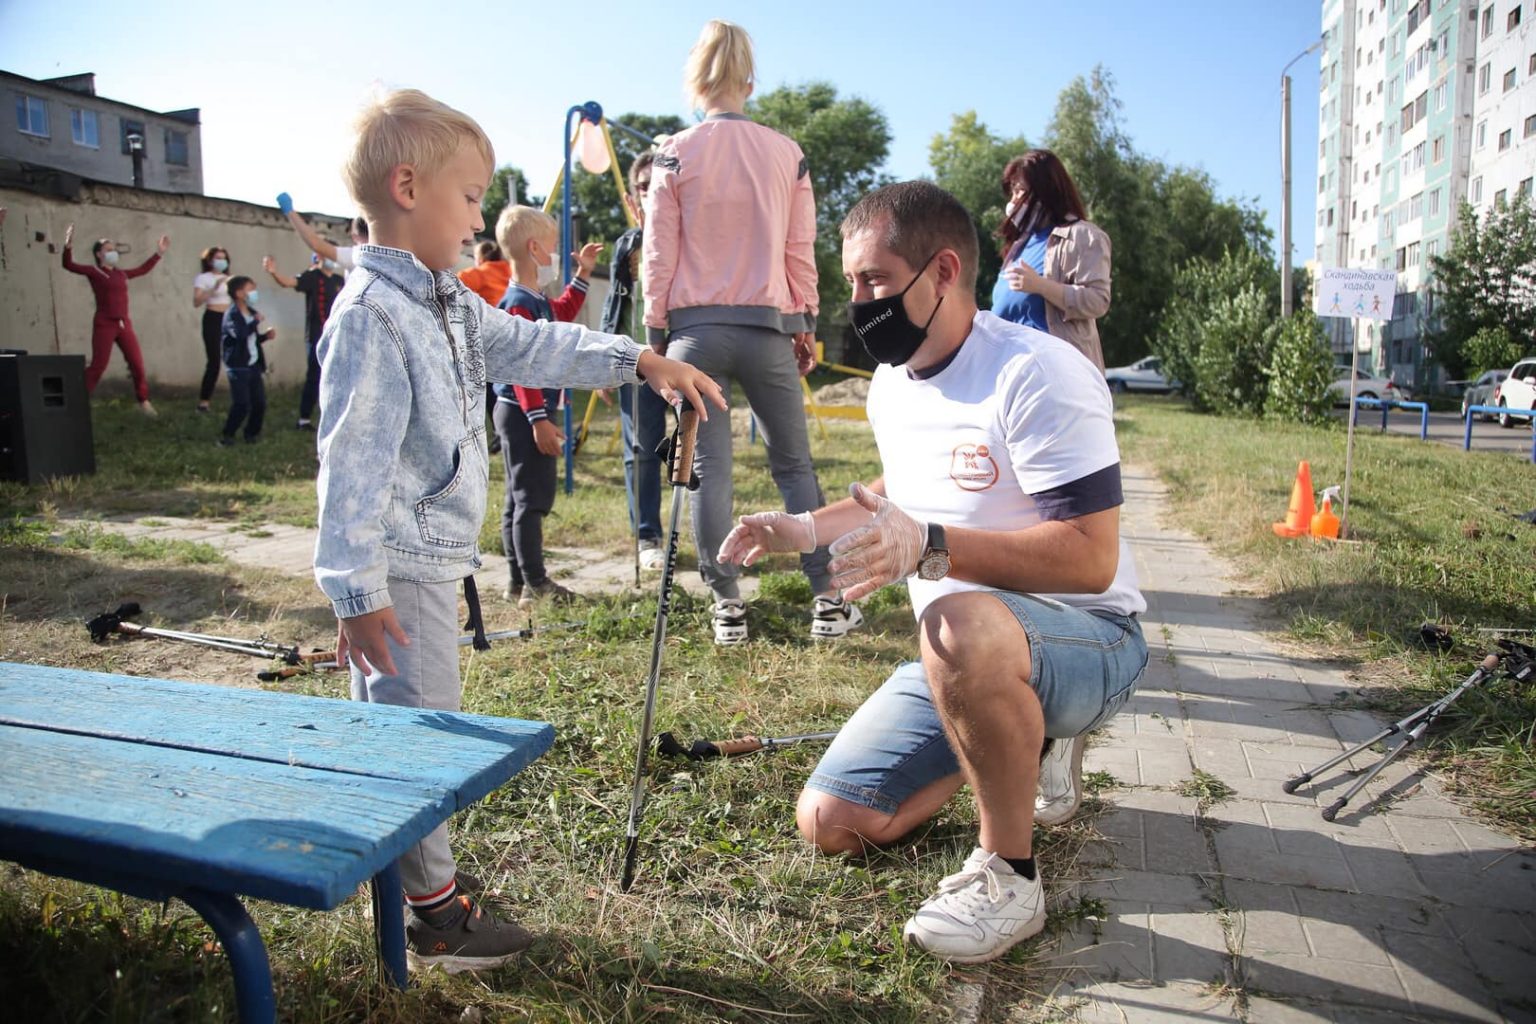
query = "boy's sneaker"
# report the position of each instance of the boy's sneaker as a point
(1061, 781)
(513, 592)
(549, 591)
(730, 621)
(652, 557)
(980, 913)
(304, 425)
(466, 937)
(226, 442)
(831, 617)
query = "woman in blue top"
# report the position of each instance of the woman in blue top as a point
(1056, 264)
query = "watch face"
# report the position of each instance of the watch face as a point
(934, 566)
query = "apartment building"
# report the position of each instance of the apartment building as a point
(61, 123)
(1424, 104)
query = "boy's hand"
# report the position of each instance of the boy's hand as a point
(547, 437)
(363, 638)
(587, 258)
(673, 380)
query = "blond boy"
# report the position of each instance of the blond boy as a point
(406, 355)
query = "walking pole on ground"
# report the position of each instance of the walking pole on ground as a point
(702, 750)
(680, 471)
(107, 623)
(1521, 665)
(325, 661)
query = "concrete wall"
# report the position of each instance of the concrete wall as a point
(46, 309)
(105, 161)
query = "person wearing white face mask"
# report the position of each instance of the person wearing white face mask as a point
(530, 441)
(111, 325)
(319, 285)
(1056, 264)
(210, 292)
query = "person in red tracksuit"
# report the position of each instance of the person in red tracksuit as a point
(111, 325)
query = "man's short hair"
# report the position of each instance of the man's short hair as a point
(518, 224)
(487, 252)
(915, 220)
(406, 127)
(236, 283)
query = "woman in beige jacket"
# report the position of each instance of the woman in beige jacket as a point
(1056, 263)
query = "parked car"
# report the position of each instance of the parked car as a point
(1480, 392)
(1366, 386)
(1518, 391)
(1144, 374)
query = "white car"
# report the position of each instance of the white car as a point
(1517, 392)
(1143, 375)
(1366, 386)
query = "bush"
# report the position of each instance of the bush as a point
(1300, 370)
(1491, 348)
(1212, 335)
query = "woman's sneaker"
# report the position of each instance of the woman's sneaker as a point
(980, 913)
(1061, 781)
(465, 937)
(831, 617)
(730, 621)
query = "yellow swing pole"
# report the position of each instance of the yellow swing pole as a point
(629, 218)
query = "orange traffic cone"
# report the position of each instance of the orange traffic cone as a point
(1299, 519)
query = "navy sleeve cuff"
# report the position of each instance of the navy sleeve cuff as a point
(1083, 496)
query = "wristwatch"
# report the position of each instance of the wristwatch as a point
(934, 563)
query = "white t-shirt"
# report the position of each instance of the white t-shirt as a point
(344, 257)
(219, 300)
(1016, 413)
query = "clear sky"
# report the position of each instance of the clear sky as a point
(278, 81)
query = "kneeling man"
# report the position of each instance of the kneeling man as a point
(999, 504)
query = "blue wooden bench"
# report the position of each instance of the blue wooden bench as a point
(207, 793)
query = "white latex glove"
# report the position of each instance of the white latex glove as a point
(883, 551)
(761, 532)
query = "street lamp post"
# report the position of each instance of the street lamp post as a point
(1285, 180)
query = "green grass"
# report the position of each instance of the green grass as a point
(1437, 541)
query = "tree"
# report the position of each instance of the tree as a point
(509, 187)
(595, 197)
(1300, 370)
(968, 162)
(1213, 336)
(845, 142)
(1486, 280)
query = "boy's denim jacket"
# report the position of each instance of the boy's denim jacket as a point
(404, 360)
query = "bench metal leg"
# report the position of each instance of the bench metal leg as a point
(247, 954)
(389, 924)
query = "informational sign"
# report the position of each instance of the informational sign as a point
(1348, 292)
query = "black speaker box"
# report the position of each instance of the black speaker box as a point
(45, 418)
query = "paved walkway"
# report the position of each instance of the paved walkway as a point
(1248, 908)
(1253, 908)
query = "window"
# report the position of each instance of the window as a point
(1418, 157)
(1530, 126)
(1434, 203)
(1482, 134)
(1488, 21)
(1509, 79)
(1322, 150)
(1402, 259)
(1413, 254)
(1505, 137)
(1439, 149)
(1513, 21)
(131, 128)
(1524, 189)
(1432, 249)
(1531, 70)
(82, 128)
(1386, 223)
(1354, 211)
(1440, 91)
(1498, 198)
(1330, 216)
(1484, 78)
(175, 147)
(1477, 190)
(1416, 206)
(31, 115)
(1322, 183)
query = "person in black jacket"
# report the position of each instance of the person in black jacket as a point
(241, 339)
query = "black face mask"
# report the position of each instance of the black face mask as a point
(888, 334)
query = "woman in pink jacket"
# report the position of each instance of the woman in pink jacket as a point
(730, 286)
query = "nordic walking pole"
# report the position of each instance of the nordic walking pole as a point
(680, 470)
(702, 750)
(325, 661)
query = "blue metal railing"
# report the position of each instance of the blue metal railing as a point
(1494, 410)
(1387, 405)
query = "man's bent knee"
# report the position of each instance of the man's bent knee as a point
(836, 825)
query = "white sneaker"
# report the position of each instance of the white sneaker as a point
(980, 913)
(147, 409)
(652, 557)
(1061, 781)
(730, 621)
(832, 617)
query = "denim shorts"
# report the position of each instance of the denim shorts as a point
(1083, 667)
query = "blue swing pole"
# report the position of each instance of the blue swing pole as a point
(590, 111)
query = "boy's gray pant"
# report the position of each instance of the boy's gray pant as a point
(427, 677)
(763, 362)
